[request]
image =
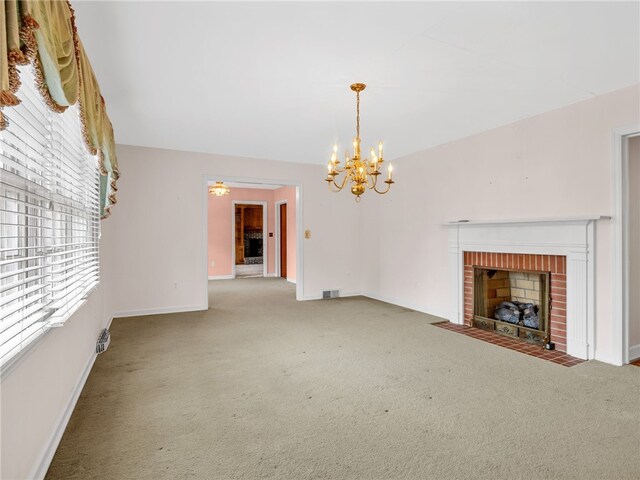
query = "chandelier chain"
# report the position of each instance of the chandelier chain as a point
(358, 115)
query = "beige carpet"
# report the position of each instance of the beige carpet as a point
(262, 386)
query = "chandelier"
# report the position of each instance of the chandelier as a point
(360, 173)
(219, 189)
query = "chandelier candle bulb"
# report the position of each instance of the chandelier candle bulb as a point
(380, 150)
(390, 171)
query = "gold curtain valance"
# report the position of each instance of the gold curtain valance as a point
(43, 33)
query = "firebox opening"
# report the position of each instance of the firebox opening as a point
(513, 303)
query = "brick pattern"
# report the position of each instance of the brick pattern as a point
(537, 351)
(556, 265)
(525, 287)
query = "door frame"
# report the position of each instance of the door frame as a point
(299, 204)
(277, 233)
(265, 234)
(620, 292)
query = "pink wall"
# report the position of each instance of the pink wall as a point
(288, 194)
(220, 241)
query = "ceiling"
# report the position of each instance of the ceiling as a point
(271, 80)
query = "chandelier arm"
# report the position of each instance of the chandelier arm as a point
(331, 184)
(371, 181)
(344, 182)
(337, 187)
(383, 191)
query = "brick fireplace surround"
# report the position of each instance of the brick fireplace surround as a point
(556, 265)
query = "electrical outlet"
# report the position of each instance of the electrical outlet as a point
(213, 263)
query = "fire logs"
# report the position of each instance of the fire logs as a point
(518, 313)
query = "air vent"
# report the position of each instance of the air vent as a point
(330, 294)
(103, 341)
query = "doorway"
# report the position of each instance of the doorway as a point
(633, 249)
(249, 242)
(219, 233)
(282, 237)
(626, 259)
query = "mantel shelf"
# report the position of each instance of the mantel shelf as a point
(575, 219)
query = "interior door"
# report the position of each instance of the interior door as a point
(283, 240)
(239, 243)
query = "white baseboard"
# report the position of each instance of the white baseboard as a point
(40, 469)
(291, 281)
(160, 311)
(350, 294)
(220, 277)
(342, 295)
(634, 352)
(272, 274)
(418, 308)
(307, 298)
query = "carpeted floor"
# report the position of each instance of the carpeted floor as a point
(262, 386)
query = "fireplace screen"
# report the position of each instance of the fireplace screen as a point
(514, 303)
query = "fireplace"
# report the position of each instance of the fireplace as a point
(513, 303)
(519, 295)
(563, 248)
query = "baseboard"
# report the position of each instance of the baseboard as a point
(418, 308)
(220, 277)
(40, 469)
(634, 352)
(342, 295)
(307, 298)
(159, 311)
(291, 281)
(273, 274)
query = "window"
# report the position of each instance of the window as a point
(49, 219)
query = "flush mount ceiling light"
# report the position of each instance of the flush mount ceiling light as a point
(359, 173)
(219, 189)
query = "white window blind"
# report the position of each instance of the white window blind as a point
(49, 219)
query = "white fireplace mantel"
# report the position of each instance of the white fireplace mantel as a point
(572, 237)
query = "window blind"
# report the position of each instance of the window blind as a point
(49, 219)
